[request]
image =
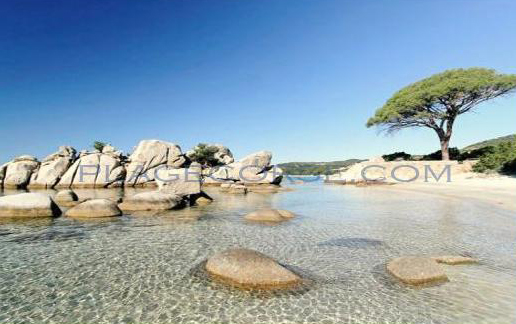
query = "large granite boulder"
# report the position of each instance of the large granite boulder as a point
(416, 270)
(152, 200)
(252, 169)
(182, 182)
(250, 269)
(18, 172)
(52, 168)
(28, 205)
(269, 215)
(148, 156)
(222, 154)
(94, 208)
(94, 170)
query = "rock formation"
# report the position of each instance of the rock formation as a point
(182, 182)
(250, 269)
(18, 172)
(149, 156)
(94, 170)
(52, 168)
(400, 171)
(28, 205)
(152, 200)
(153, 163)
(416, 270)
(269, 215)
(94, 208)
(66, 198)
(454, 259)
(253, 169)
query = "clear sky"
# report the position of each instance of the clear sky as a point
(297, 77)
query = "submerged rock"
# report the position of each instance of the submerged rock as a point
(225, 186)
(455, 259)
(95, 208)
(237, 189)
(250, 269)
(416, 270)
(269, 215)
(152, 200)
(28, 205)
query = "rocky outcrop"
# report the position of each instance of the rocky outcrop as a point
(182, 182)
(18, 172)
(222, 154)
(94, 170)
(416, 270)
(148, 157)
(94, 208)
(269, 215)
(152, 200)
(52, 168)
(28, 205)
(250, 269)
(254, 169)
(152, 163)
(401, 172)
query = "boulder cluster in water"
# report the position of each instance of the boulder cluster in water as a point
(152, 163)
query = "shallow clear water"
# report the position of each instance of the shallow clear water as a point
(146, 268)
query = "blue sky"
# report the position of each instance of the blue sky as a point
(297, 77)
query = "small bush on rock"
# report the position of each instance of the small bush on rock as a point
(205, 155)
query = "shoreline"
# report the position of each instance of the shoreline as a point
(499, 191)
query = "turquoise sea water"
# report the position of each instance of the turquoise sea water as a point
(148, 267)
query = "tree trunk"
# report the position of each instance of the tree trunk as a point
(445, 153)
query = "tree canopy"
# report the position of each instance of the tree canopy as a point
(436, 101)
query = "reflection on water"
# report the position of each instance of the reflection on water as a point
(145, 267)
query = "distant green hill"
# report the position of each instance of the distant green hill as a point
(315, 168)
(490, 142)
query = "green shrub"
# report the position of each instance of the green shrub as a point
(501, 159)
(509, 167)
(476, 153)
(205, 155)
(98, 145)
(397, 155)
(454, 155)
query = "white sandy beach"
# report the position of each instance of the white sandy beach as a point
(497, 190)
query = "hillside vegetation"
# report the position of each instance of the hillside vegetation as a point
(315, 168)
(490, 142)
